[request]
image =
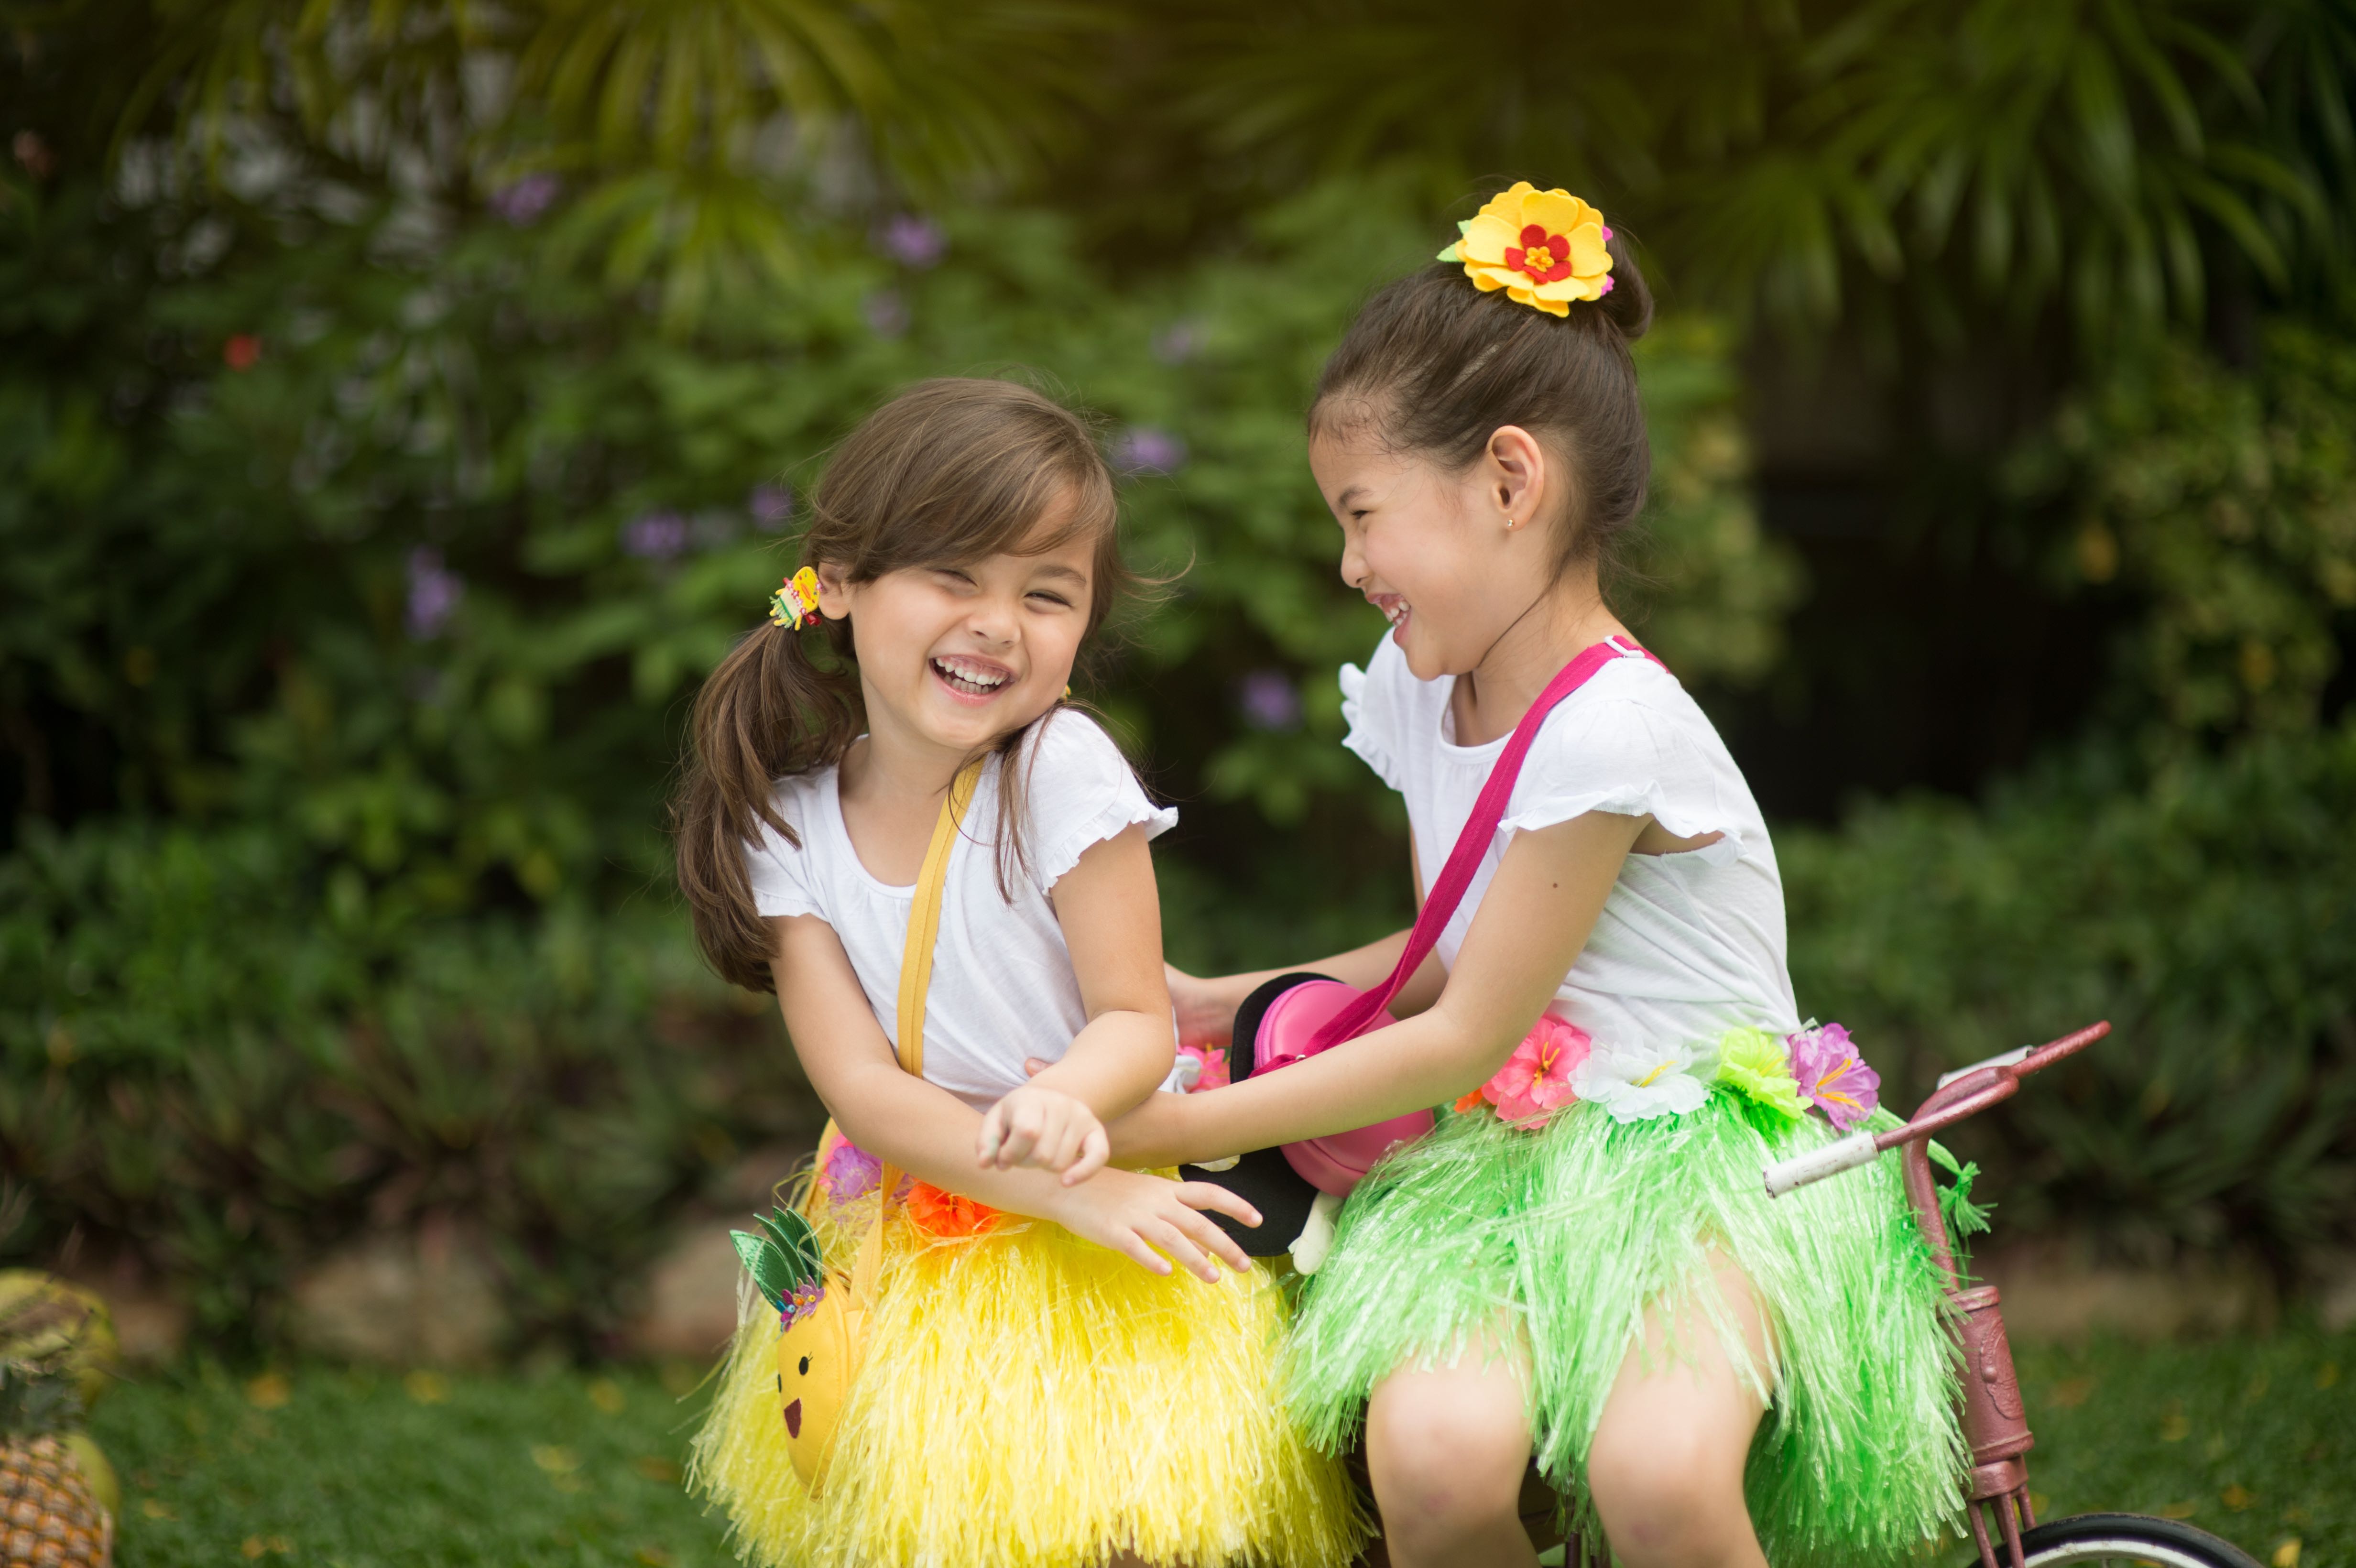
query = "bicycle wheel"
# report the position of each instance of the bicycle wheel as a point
(2123, 1540)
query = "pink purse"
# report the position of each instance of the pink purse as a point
(1295, 1016)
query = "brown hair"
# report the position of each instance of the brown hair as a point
(946, 473)
(1435, 366)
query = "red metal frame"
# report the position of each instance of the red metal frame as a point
(1995, 1423)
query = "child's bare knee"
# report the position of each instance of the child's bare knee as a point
(1668, 1505)
(1443, 1465)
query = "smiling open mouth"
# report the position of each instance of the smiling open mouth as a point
(971, 677)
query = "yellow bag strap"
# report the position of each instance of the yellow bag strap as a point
(915, 977)
(925, 918)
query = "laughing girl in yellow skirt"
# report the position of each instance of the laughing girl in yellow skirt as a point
(970, 1342)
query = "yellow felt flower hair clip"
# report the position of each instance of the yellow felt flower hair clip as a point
(794, 605)
(1544, 248)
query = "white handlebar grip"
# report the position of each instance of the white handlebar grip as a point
(1846, 1154)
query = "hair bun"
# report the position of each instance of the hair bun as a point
(1629, 305)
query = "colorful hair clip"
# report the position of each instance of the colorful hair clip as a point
(794, 605)
(1544, 248)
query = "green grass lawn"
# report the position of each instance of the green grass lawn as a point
(2254, 1439)
(2251, 1439)
(374, 1470)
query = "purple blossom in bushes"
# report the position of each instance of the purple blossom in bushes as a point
(911, 240)
(1143, 449)
(655, 536)
(434, 591)
(1270, 700)
(1178, 343)
(886, 313)
(772, 506)
(522, 202)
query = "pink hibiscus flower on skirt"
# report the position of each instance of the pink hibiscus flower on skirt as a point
(1534, 1082)
(1211, 1064)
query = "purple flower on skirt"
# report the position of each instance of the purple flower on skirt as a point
(850, 1171)
(1832, 1076)
(434, 591)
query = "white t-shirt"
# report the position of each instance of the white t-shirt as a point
(1687, 946)
(1002, 987)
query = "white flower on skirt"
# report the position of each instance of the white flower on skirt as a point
(1638, 1082)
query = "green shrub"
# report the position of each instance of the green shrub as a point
(2209, 913)
(414, 557)
(207, 1056)
(2226, 501)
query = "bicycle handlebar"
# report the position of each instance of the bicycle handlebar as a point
(1815, 1163)
(1966, 1092)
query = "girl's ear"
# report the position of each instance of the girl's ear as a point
(1518, 474)
(833, 590)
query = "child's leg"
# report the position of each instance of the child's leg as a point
(1665, 1469)
(1445, 1450)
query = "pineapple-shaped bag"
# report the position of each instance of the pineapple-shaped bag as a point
(822, 1314)
(821, 1326)
(57, 1495)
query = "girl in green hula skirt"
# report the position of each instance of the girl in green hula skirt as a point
(1581, 1262)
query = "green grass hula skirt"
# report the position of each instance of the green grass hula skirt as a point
(1574, 1230)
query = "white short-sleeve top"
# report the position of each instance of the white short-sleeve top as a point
(1687, 946)
(1002, 985)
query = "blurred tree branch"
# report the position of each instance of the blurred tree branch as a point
(690, 133)
(2105, 157)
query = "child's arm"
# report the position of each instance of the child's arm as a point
(1531, 923)
(1111, 919)
(925, 1131)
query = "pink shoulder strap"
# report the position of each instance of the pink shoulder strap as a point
(1488, 810)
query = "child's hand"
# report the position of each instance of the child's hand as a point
(1042, 1128)
(1147, 1216)
(1205, 1016)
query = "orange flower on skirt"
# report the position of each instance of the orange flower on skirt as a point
(937, 1211)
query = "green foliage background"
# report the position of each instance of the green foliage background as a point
(363, 534)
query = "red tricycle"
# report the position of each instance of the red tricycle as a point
(2004, 1524)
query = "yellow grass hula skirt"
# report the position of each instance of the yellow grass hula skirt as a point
(1029, 1400)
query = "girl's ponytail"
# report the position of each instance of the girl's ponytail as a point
(1629, 306)
(769, 711)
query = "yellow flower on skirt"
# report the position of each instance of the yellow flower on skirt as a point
(1544, 248)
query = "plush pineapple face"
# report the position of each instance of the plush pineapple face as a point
(813, 1374)
(815, 1352)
